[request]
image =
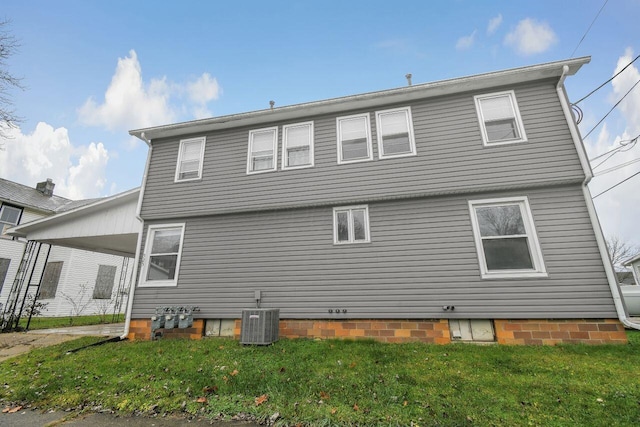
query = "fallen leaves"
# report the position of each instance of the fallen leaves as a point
(10, 410)
(261, 399)
(202, 400)
(234, 373)
(324, 396)
(210, 389)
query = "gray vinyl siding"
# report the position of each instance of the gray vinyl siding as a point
(450, 159)
(421, 256)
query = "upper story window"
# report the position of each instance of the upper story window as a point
(190, 159)
(297, 145)
(499, 117)
(395, 133)
(263, 154)
(162, 255)
(354, 138)
(351, 224)
(9, 217)
(506, 238)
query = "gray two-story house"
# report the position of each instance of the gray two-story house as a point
(452, 210)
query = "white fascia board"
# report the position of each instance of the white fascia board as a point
(632, 260)
(366, 100)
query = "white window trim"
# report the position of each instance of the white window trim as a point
(539, 269)
(350, 209)
(516, 111)
(339, 138)
(285, 141)
(180, 153)
(412, 141)
(7, 225)
(274, 148)
(144, 283)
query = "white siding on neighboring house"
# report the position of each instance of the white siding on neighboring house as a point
(29, 215)
(10, 249)
(78, 280)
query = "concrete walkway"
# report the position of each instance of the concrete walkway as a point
(17, 343)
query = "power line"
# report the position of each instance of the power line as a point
(603, 84)
(587, 32)
(612, 108)
(623, 144)
(616, 151)
(614, 186)
(620, 166)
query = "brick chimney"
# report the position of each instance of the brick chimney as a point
(46, 187)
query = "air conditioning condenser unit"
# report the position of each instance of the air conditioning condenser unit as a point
(260, 326)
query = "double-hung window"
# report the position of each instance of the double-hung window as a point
(162, 255)
(354, 138)
(351, 224)
(263, 155)
(190, 159)
(506, 238)
(395, 133)
(499, 117)
(297, 145)
(9, 217)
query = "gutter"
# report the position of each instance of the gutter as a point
(136, 262)
(618, 302)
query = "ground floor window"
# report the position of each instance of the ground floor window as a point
(162, 255)
(50, 280)
(351, 224)
(506, 239)
(104, 282)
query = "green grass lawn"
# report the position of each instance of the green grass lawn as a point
(63, 322)
(331, 382)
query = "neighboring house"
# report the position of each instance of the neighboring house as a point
(70, 280)
(634, 265)
(453, 210)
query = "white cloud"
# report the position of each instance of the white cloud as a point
(130, 103)
(466, 42)
(77, 171)
(531, 37)
(494, 23)
(200, 92)
(619, 208)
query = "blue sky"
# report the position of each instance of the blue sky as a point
(92, 71)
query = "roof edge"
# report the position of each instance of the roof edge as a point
(369, 99)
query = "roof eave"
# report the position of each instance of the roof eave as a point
(22, 230)
(366, 100)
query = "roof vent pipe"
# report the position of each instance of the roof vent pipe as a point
(272, 103)
(408, 76)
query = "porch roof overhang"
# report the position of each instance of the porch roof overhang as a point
(108, 225)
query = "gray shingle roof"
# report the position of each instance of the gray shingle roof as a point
(21, 195)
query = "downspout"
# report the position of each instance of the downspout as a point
(136, 262)
(618, 302)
